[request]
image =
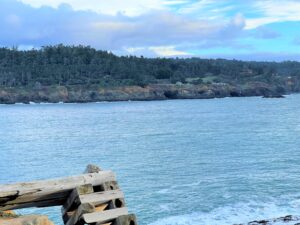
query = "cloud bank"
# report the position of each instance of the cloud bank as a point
(154, 27)
(157, 31)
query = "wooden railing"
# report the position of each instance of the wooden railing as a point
(91, 198)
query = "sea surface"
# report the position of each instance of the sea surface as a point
(179, 162)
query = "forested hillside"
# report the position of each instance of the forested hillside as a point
(63, 65)
(87, 68)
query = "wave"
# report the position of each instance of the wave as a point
(241, 213)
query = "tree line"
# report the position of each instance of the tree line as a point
(83, 65)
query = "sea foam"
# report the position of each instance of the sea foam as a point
(236, 214)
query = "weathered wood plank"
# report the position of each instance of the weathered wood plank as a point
(37, 193)
(98, 198)
(125, 220)
(84, 208)
(112, 185)
(67, 216)
(74, 196)
(72, 202)
(105, 216)
(40, 204)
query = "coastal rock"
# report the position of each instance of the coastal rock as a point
(25, 220)
(273, 95)
(289, 220)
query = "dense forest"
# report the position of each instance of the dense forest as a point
(70, 65)
(73, 66)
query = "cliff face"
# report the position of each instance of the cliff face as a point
(79, 94)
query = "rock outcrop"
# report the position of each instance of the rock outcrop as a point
(288, 220)
(69, 94)
(10, 218)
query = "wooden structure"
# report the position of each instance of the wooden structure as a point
(91, 198)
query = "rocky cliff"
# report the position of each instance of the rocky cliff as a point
(68, 94)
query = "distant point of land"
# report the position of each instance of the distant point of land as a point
(82, 74)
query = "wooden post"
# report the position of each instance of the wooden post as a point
(68, 209)
(77, 215)
(126, 220)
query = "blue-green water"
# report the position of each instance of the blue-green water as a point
(208, 162)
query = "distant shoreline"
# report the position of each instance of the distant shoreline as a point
(84, 94)
(79, 74)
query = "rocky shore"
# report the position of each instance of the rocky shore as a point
(83, 94)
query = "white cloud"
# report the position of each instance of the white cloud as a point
(111, 7)
(156, 32)
(208, 9)
(175, 2)
(257, 22)
(167, 51)
(198, 6)
(134, 50)
(163, 51)
(272, 11)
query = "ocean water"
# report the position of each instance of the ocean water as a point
(180, 162)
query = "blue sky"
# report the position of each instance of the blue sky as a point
(241, 29)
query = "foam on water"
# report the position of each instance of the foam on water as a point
(174, 187)
(235, 214)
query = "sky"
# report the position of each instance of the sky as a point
(259, 30)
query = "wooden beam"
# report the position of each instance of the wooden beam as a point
(84, 208)
(40, 193)
(72, 202)
(112, 185)
(73, 198)
(105, 216)
(98, 198)
(108, 186)
(126, 220)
